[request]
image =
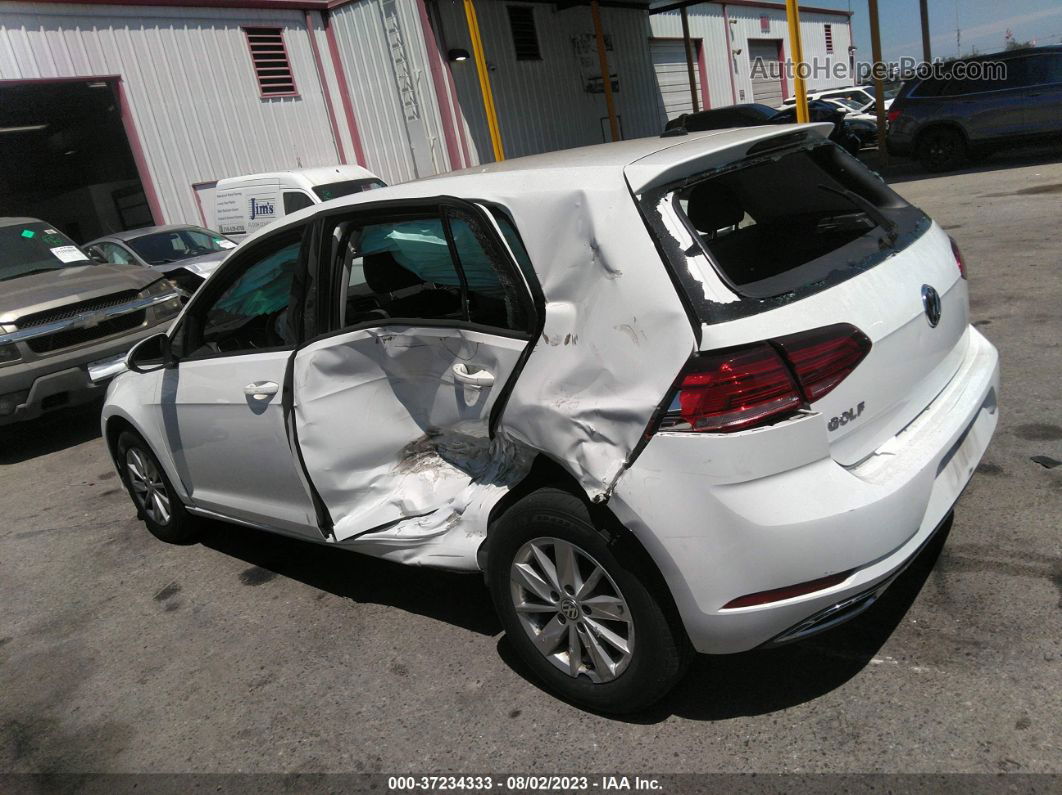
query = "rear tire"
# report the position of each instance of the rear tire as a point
(590, 629)
(151, 492)
(942, 149)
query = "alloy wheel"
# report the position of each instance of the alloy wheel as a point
(149, 489)
(571, 609)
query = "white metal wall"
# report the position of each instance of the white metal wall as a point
(707, 22)
(541, 104)
(189, 83)
(382, 49)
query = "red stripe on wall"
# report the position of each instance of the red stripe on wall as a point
(439, 83)
(332, 121)
(138, 154)
(344, 90)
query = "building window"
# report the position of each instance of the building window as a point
(525, 37)
(765, 24)
(271, 64)
(829, 37)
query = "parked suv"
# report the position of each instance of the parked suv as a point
(945, 119)
(706, 392)
(66, 323)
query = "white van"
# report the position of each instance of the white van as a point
(246, 204)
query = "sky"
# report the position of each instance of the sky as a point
(983, 24)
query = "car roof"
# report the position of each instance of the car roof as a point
(16, 221)
(132, 234)
(601, 169)
(1055, 48)
(318, 175)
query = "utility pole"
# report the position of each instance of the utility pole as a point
(792, 13)
(879, 87)
(927, 54)
(689, 59)
(484, 81)
(606, 77)
(958, 32)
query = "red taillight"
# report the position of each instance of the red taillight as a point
(958, 257)
(790, 591)
(735, 390)
(893, 115)
(823, 357)
(742, 388)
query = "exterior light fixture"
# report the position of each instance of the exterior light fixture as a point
(457, 54)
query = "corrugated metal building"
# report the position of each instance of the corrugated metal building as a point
(116, 114)
(725, 59)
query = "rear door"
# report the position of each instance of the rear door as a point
(425, 318)
(990, 106)
(1043, 106)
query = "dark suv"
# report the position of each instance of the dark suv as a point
(954, 115)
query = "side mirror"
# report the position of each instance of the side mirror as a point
(98, 258)
(150, 354)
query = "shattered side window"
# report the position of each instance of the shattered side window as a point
(516, 244)
(494, 296)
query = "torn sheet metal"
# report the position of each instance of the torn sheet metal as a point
(615, 334)
(395, 446)
(476, 477)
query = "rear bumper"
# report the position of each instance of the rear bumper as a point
(61, 380)
(716, 541)
(851, 606)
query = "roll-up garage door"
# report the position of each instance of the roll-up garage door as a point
(766, 88)
(669, 63)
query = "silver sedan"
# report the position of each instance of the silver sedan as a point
(186, 255)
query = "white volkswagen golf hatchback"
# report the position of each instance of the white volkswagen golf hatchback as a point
(696, 393)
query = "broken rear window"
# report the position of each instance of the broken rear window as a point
(785, 223)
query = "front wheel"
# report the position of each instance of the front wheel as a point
(587, 625)
(155, 500)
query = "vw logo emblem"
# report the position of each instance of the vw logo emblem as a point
(569, 609)
(931, 303)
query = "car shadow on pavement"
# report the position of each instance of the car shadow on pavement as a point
(903, 170)
(458, 599)
(763, 681)
(50, 433)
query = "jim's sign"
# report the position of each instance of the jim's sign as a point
(263, 208)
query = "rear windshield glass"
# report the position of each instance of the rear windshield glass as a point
(794, 221)
(333, 190)
(35, 248)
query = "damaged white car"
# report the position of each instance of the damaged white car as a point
(696, 393)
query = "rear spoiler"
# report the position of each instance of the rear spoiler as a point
(699, 153)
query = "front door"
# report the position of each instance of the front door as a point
(222, 406)
(426, 326)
